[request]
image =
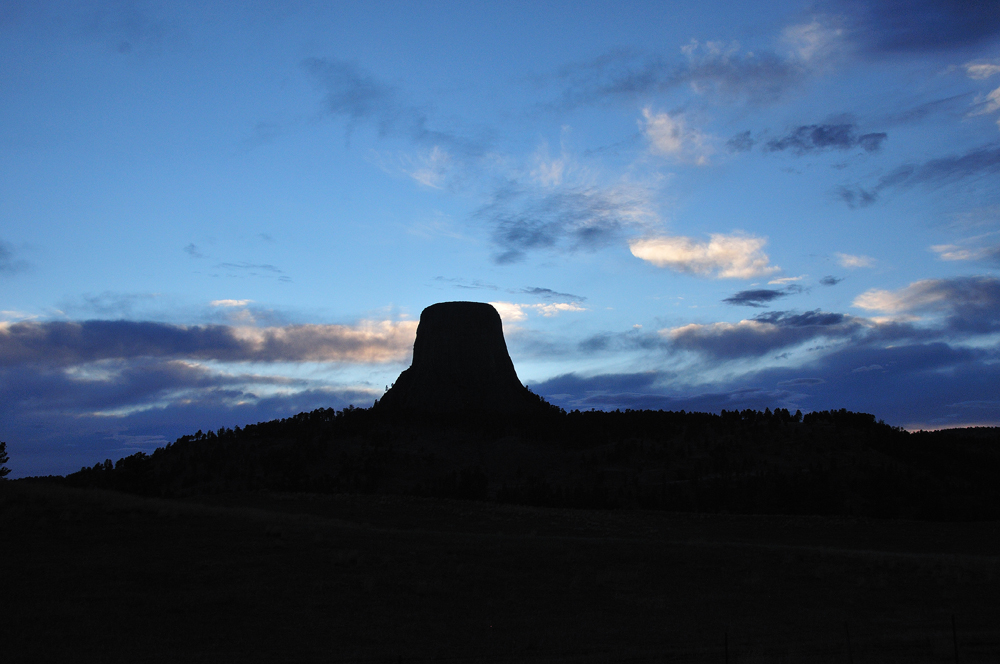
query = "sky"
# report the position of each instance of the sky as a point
(214, 214)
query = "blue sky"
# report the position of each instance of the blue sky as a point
(211, 216)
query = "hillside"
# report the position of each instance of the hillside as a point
(751, 462)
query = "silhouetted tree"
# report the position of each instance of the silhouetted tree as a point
(4, 458)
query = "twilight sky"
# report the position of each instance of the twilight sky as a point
(211, 216)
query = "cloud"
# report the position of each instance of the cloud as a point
(722, 71)
(230, 303)
(359, 97)
(62, 420)
(984, 160)
(889, 27)
(511, 312)
(988, 105)
(756, 298)
(548, 294)
(969, 305)
(741, 142)
(785, 280)
(854, 260)
(569, 219)
(760, 335)
(919, 383)
(812, 138)
(458, 282)
(981, 70)
(954, 252)
(65, 344)
(830, 280)
(734, 256)
(9, 263)
(431, 170)
(669, 135)
(815, 40)
(193, 251)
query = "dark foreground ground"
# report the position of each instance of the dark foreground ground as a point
(88, 575)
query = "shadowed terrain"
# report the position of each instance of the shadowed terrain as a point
(105, 576)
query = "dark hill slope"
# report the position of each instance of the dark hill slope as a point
(741, 462)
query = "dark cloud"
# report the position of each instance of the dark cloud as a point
(86, 429)
(9, 263)
(759, 78)
(761, 335)
(811, 138)
(192, 250)
(549, 294)
(755, 298)
(63, 344)
(980, 161)
(830, 280)
(741, 142)
(924, 384)
(569, 219)
(888, 27)
(798, 382)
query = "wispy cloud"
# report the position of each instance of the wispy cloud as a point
(230, 303)
(723, 71)
(970, 250)
(741, 142)
(830, 280)
(854, 260)
(549, 294)
(671, 136)
(360, 97)
(9, 262)
(981, 70)
(984, 160)
(722, 256)
(512, 312)
(567, 219)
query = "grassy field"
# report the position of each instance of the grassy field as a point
(101, 576)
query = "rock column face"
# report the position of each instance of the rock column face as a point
(460, 363)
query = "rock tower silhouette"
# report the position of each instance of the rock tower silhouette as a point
(460, 364)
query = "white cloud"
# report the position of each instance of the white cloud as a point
(980, 71)
(230, 303)
(511, 312)
(785, 280)
(669, 135)
(431, 170)
(734, 256)
(854, 260)
(953, 252)
(924, 294)
(988, 105)
(810, 41)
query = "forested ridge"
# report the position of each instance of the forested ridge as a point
(770, 462)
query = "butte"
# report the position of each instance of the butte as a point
(460, 364)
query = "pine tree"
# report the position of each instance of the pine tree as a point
(4, 470)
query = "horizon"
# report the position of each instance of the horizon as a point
(215, 217)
